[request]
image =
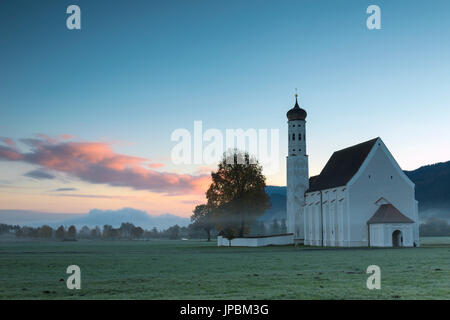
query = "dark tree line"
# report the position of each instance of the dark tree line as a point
(127, 231)
(435, 227)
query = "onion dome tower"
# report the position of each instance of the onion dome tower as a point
(297, 181)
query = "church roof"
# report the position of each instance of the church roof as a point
(387, 213)
(341, 167)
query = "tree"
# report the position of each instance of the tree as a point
(72, 233)
(126, 230)
(435, 227)
(45, 232)
(96, 232)
(275, 229)
(137, 232)
(85, 232)
(261, 228)
(60, 233)
(228, 231)
(202, 219)
(283, 227)
(173, 232)
(107, 231)
(237, 193)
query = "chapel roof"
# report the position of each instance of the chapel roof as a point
(387, 213)
(341, 167)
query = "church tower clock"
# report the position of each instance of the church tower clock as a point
(297, 171)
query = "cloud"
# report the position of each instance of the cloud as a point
(97, 217)
(190, 202)
(39, 174)
(91, 196)
(64, 189)
(9, 153)
(9, 142)
(97, 163)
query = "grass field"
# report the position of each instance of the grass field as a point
(199, 270)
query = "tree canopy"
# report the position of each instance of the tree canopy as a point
(237, 194)
(202, 219)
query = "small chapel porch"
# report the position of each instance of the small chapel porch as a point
(388, 227)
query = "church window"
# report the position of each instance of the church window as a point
(299, 136)
(293, 136)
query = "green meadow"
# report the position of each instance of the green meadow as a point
(171, 269)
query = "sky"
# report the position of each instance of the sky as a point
(86, 116)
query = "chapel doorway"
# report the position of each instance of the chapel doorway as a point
(397, 239)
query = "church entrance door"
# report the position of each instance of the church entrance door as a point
(397, 239)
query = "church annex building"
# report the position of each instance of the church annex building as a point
(360, 198)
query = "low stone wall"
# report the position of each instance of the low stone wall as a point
(275, 240)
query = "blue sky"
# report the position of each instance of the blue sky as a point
(140, 69)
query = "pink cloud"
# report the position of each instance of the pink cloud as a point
(156, 165)
(9, 142)
(9, 153)
(96, 162)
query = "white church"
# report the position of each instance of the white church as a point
(361, 197)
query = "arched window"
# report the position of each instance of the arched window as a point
(293, 136)
(299, 136)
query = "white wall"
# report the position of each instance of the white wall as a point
(381, 234)
(378, 177)
(330, 207)
(257, 242)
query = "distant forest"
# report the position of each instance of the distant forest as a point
(126, 231)
(432, 186)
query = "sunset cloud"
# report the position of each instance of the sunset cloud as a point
(64, 189)
(97, 163)
(39, 174)
(9, 142)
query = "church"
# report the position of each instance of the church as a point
(360, 198)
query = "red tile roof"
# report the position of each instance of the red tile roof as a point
(387, 213)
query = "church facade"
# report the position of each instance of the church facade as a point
(360, 198)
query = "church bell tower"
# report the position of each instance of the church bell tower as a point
(297, 181)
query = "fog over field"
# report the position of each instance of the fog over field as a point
(94, 218)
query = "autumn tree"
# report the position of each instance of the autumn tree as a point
(72, 233)
(45, 231)
(137, 232)
(237, 194)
